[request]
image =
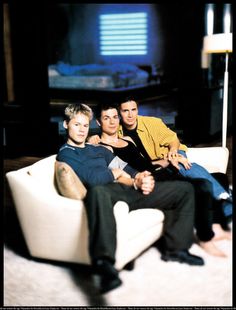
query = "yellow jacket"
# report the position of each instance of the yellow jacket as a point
(155, 136)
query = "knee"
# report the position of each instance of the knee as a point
(186, 187)
(203, 185)
(186, 194)
(95, 192)
(96, 189)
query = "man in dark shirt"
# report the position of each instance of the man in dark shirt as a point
(108, 180)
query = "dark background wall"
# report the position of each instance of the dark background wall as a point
(175, 37)
(45, 33)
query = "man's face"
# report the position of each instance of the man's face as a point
(129, 112)
(109, 121)
(78, 128)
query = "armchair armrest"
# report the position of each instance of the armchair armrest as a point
(49, 220)
(214, 159)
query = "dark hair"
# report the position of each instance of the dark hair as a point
(125, 99)
(103, 107)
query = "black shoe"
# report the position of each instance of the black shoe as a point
(182, 257)
(109, 284)
(109, 275)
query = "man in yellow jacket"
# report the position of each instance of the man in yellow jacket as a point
(160, 144)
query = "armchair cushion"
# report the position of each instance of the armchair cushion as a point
(67, 182)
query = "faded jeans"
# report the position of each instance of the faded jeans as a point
(198, 172)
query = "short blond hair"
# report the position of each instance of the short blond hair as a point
(73, 109)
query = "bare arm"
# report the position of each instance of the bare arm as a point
(118, 173)
(161, 162)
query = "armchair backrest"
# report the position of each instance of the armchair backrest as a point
(44, 171)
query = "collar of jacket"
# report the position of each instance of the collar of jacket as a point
(140, 126)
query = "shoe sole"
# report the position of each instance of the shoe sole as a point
(181, 261)
(112, 285)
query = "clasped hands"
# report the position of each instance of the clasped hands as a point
(143, 180)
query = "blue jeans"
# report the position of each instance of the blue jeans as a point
(198, 172)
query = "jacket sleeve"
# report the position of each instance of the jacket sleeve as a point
(164, 134)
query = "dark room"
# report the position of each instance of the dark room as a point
(81, 81)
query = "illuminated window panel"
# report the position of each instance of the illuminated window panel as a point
(123, 34)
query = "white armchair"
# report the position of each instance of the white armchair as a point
(55, 227)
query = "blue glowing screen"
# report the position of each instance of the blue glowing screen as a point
(123, 34)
